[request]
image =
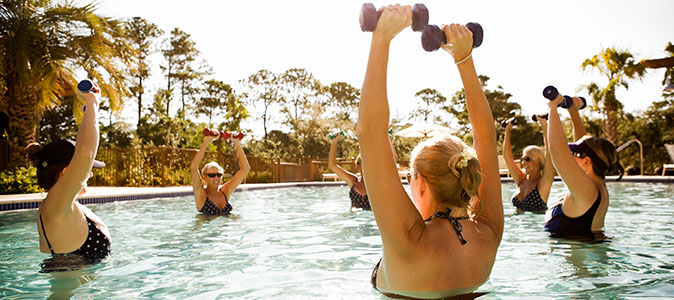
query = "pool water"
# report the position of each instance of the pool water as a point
(304, 243)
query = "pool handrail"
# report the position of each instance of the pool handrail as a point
(641, 152)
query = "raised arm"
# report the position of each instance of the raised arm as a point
(580, 185)
(516, 173)
(197, 187)
(545, 183)
(345, 175)
(240, 175)
(577, 122)
(394, 212)
(482, 122)
(63, 194)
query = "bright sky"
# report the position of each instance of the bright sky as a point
(527, 44)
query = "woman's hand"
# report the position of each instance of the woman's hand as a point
(209, 138)
(393, 19)
(459, 41)
(576, 104)
(554, 103)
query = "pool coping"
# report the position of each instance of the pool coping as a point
(96, 195)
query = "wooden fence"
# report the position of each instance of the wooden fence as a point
(163, 166)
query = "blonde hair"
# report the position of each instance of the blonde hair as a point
(537, 154)
(212, 165)
(451, 170)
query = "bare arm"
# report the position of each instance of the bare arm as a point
(197, 187)
(240, 175)
(64, 192)
(394, 212)
(577, 122)
(484, 131)
(345, 175)
(545, 183)
(580, 185)
(516, 173)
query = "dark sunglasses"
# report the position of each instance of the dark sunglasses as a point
(212, 175)
(526, 158)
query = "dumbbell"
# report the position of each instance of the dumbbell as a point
(210, 132)
(535, 117)
(550, 93)
(238, 136)
(504, 124)
(433, 37)
(332, 136)
(369, 15)
(87, 85)
(225, 135)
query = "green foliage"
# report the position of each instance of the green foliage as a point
(259, 177)
(431, 102)
(19, 181)
(58, 122)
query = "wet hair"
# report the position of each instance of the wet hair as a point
(47, 176)
(537, 154)
(452, 175)
(211, 165)
(604, 150)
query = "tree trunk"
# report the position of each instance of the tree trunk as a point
(611, 126)
(22, 127)
(140, 99)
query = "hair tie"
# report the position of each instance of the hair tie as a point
(466, 155)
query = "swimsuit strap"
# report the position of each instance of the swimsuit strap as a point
(45, 235)
(454, 221)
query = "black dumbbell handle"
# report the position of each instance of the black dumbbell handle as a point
(433, 37)
(535, 117)
(369, 23)
(550, 93)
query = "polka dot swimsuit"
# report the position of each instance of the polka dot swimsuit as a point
(532, 202)
(210, 208)
(95, 248)
(358, 200)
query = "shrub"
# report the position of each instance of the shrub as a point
(262, 177)
(19, 181)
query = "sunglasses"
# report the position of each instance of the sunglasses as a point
(526, 158)
(212, 175)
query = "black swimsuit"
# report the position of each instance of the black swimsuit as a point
(442, 215)
(358, 200)
(95, 248)
(210, 208)
(560, 225)
(532, 202)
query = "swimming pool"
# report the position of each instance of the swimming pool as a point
(302, 242)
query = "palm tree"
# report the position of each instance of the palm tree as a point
(42, 45)
(619, 67)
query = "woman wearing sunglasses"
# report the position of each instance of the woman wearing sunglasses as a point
(535, 178)
(213, 199)
(358, 192)
(582, 166)
(443, 241)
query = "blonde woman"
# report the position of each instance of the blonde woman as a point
(439, 243)
(535, 178)
(357, 192)
(213, 198)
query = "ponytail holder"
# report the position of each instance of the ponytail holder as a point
(466, 155)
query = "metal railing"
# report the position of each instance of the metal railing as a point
(641, 152)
